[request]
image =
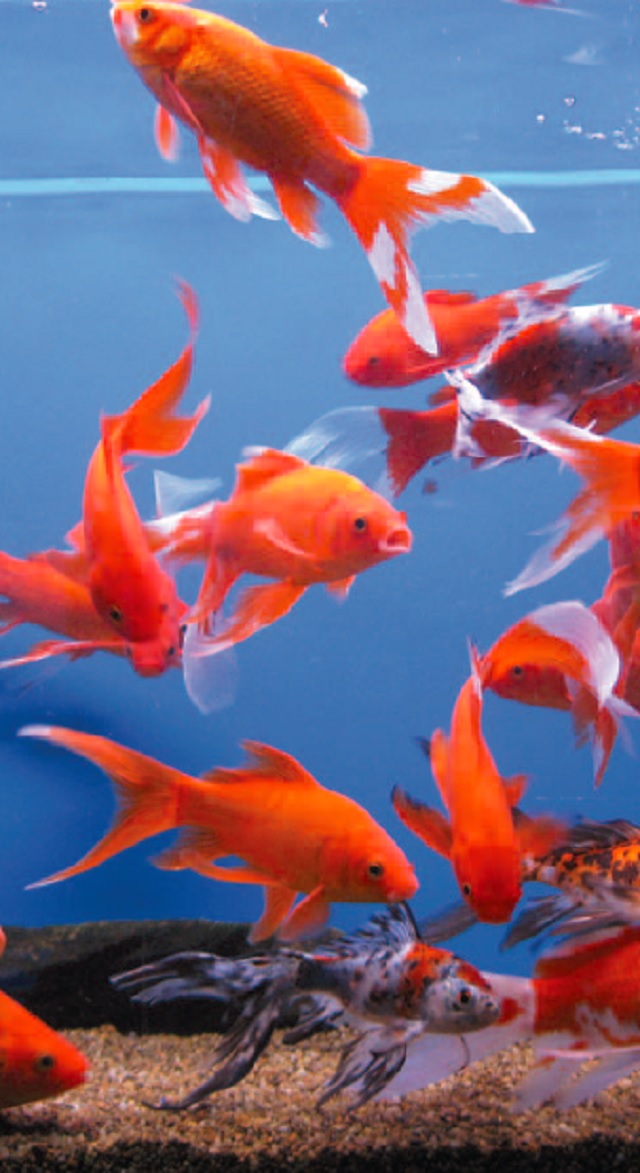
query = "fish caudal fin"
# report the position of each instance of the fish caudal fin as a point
(147, 791)
(415, 438)
(150, 425)
(389, 199)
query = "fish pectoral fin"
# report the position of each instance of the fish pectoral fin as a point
(538, 836)
(268, 528)
(277, 902)
(308, 917)
(222, 172)
(299, 206)
(341, 588)
(425, 822)
(166, 134)
(257, 607)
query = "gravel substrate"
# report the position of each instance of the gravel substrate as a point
(269, 1122)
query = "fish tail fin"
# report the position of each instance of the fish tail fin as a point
(147, 790)
(150, 425)
(389, 199)
(415, 438)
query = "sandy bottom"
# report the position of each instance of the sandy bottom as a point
(270, 1122)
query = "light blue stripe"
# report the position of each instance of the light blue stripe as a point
(150, 185)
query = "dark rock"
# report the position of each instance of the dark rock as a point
(62, 972)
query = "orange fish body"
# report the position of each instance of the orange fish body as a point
(293, 834)
(295, 117)
(131, 592)
(35, 1062)
(479, 838)
(294, 522)
(37, 592)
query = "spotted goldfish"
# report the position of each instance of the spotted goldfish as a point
(388, 982)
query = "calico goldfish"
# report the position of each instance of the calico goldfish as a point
(479, 836)
(293, 834)
(295, 118)
(35, 1061)
(580, 1010)
(560, 656)
(384, 978)
(383, 354)
(131, 592)
(610, 469)
(288, 520)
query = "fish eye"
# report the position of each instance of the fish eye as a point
(466, 890)
(115, 613)
(373, 360)
(360, 524)
(464, 997)
(376, 870)
(517, 670)
(171, 651)
(45, 1063)
(145, 15)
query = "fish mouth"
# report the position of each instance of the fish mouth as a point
(124, 26)
(398, 541)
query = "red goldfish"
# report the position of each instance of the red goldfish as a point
(35, 1062)
(383, 354)
(288, 520)
(296, 118)
(293, 834)
(581, 1007)
(560, 656)
(479, 836)
(131, 592)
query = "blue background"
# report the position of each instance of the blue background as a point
(88, 317)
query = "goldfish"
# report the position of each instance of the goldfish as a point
(296, 118)
(560, 656)
(580, 1010)
(294, 835)
(35, 591)
(479, 837)
(131, 592)
(611, 494)
(383, 354)
(288, 520)
(388, 982)
(596, 870)
(35, 1061)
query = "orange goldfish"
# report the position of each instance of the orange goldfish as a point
(35, 1062)
(131, 592)
(479, 836)
(37, 592)
(580, 1010)
(560, 656)
(383, 354)
(289, 520)
(296, 118)
(293, 834)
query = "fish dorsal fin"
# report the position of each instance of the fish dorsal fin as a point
(265, 761)
(451, 297)
(331, 91)
(569, 956)
(265, 466)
